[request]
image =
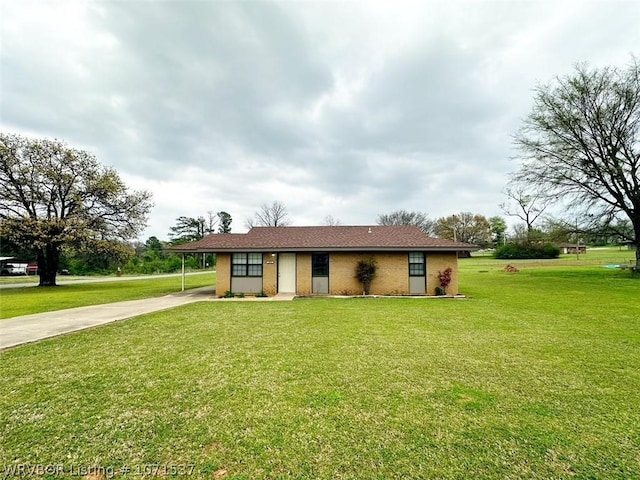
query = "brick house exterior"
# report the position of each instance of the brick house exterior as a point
(322, 260)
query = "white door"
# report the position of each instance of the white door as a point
(287, 273)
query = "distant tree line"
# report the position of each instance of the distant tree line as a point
(152, 257)
(104, 257)
(579, 143)
(462, 227)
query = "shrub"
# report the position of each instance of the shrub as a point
(527, 251)
(365, 271)
(445, 279)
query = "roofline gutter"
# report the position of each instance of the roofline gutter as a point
(470, 248)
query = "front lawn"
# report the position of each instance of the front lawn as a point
(534, 376)
(28, 300)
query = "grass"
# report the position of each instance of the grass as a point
(594, 256)
(9, 280)
(35, 279)
(534, 376)
(23, 301)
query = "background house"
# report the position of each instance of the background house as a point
(572, 248)
(322, 260)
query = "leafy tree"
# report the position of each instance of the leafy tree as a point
(189, 229)
(138, 247)
(150, 257)
(498, 229)
(101, 256)
(465, 227)
(270, 215)
(154, 246)
(402, 217)
(52, 196)
(224, 222)
(9, 248)
(581, 143)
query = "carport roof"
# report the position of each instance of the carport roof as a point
(313, 239)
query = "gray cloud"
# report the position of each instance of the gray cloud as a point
(333, 108)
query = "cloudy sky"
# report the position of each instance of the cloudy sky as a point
(348, 109)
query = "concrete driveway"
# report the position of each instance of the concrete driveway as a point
(31, 328)
(62, 280)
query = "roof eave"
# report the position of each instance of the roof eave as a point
(327, 249)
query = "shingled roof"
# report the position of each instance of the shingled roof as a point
(313, 239)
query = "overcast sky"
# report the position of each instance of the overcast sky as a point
(348, 109)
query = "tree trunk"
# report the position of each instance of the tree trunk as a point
(48, 258)
(635, 222)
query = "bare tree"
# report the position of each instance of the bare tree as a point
(581, 143)
(249, 223)
(330, 221)
(270, 215)
(526, 206)
(402, 217)
(520, 233)
(211, 222)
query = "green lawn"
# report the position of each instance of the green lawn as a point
(23, 301)
(594, 256)
(535, 375)
(35, 279)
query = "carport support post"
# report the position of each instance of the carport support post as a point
(183, 272)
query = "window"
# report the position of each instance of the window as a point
(320, 267)
(246, 265)
(416, 264)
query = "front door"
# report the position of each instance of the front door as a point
(287, 273)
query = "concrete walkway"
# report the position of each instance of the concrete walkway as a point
(31, 328)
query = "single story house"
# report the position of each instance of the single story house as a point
(322, 260)
(572, 248)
